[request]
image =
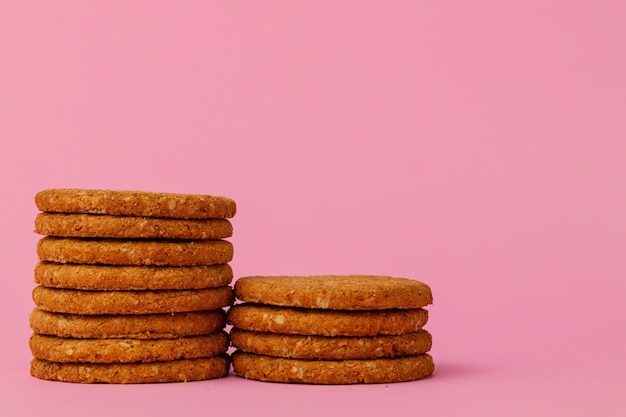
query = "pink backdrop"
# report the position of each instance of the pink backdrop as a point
(477, 146)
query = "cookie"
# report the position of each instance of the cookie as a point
(288, 320)
(135, 203)
(331, 348)
(121, 277)
(130, 302)
(349, 292)
(61, 349)
(141, 326)
(363, 371)
(134, 252)
(123, 227)
(182, 370)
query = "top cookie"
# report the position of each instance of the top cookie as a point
(337, 292)
(135, 203)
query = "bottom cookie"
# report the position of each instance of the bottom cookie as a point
(357, 371)
(133, 373)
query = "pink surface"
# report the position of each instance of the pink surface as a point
(476, 146)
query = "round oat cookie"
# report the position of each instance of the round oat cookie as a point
(135, 203)
(331, 348)
(134, 252)
(62, 349)
(348, 292)
(125, 277)
(355, 371)
(301, 321)
(124, 227)
(133, 326)
(130, 302)
(182, 370)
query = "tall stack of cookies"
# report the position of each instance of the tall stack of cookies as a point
(132, 286)
(331, 329)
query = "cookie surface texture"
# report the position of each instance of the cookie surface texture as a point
(61, 349)
(287, 320)
(132, 373)
(375, 371)
(331, 348)
(134, 252)
(349, 292)
(134, 326)
(123, 227)
(130, 302)
(135, 203)
(125, 277)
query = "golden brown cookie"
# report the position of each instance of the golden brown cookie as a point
(364, 371)
(135, 203)
(130, 302)
(350, 292)
(125, 227)
(288, 320)
(134, 252)
(134, 326)
(124, 277)
(182, 370)
(331, 348)
(62, 349)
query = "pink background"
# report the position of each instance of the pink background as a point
(478, 146)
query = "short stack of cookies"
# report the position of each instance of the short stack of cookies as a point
(331, 329)
(132, 286)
